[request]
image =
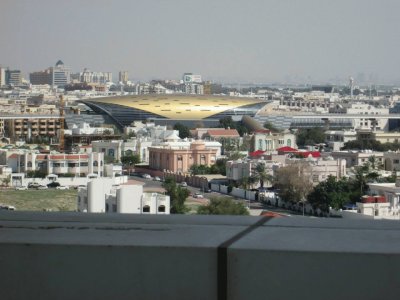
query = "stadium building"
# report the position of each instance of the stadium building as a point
(169, 109)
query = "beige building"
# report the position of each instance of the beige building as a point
(180, 159)
(30, 127)
(357, 158)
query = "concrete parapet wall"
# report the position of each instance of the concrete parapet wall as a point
(99, 256)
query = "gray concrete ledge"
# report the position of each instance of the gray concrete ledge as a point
(100, 256)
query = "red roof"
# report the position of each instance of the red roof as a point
(14, 155)
(257, 153)
(223, 132)
(286, 149)
(308, 153)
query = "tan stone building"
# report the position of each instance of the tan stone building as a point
(180, 159)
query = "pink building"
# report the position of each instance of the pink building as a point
(180, 159)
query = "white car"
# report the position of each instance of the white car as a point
(198, 195)
(61, 187)
(146, 176)
(42, 187)
(156, 178)
(21, 188)
(183, 183)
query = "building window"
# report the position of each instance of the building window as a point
(259, 144)
(29, 164)
(84, 164)
(146, 209)
(95, 163)
(289, 142)
(179, 157)
(161, 208)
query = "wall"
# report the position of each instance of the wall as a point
(118, 256)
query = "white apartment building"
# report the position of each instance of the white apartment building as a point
(369, 111)
(322, 168)
(335, 139)
(101, 196)
(84, 128)
(95, 77)
(112, 148)
(22, 161)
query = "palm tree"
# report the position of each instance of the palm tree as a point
(262, 175)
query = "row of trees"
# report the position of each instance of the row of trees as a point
(216, 205)
(294, 184)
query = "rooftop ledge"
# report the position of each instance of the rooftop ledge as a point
(100, 256)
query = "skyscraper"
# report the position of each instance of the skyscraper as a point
(2, 76)
(61, 75)
(13, 77)
(123, 76)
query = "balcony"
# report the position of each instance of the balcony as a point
(120, 256)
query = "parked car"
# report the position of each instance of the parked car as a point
(156, 178)
(198, 195)
(42, 187)
(62, 187)
(53, 184)
(33, 185)
(183, 183)
(21, 188)
(146, 176)
(7, 207)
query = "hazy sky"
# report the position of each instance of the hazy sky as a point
(225, 40)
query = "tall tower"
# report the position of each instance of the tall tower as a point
(123, 76)
(351, 84)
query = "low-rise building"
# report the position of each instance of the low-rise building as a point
(179, 157)
(357, 158)
(267, 140)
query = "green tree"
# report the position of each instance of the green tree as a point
(130, 160)
(6, 180)
(294, 182)
(199, 169)
(177, 196)
(270, 126)
(262, 175)
(331, 193)
(310, 136)
(223, 206)
(184, 131)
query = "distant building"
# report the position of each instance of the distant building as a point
(2, 76)
(59, 75)
(123, 76)
(13, 77)
(191, 78)
(101, 196)
(41, 77)
(95, 77)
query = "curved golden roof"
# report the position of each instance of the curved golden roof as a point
(181, 107)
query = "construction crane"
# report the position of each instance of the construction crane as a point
(62, 141)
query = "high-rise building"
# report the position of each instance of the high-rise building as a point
(123, 76)
(41, 77)
(61, 75)
(2, 76)
(95, 77)
(13, 77)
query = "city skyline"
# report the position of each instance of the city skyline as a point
(225, 41)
